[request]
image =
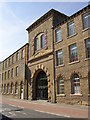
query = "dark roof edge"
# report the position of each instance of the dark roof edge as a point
(16, 51)
(74, 15)
(46, 15)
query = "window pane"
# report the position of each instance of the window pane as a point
(59, 57)
(58, 35)
(71, 28)
(42, 41)
(88, 48)
(73, 53)
(86, 20)
(36, 44)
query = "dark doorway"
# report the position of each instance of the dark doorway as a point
(41, 86)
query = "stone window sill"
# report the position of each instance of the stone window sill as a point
(76, 95)
(60, 66)
(59, 41)
(61, 95)
(85, 29)
(74, 62)
(87, 59)
(71, 35)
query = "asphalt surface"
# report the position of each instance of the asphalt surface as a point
(9, 111)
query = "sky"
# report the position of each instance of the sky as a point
(15, 17)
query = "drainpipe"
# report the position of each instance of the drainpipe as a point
(53, 64)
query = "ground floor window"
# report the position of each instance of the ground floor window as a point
(7, 88)
(11, 88)
(16, 88)
(60, 86)
(75, 84)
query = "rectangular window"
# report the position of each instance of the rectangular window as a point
(17, 56)
(12, 73)
(2, 76)
(42, 41)
(3, 65)
(6, 64)
(13, 59)
(87, 48)
(22, 54)
(71, 28)
(73, 53)
(8, 74)
(9, 62)
(17, 71)
(86, 20)
(59, 57)
(5, 75)
(58, 35)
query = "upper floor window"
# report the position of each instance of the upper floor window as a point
(75, 84)
(36, 44)
(60, 86)
(12, 59)
(5, 63)
(59, 57)
(12, 73)
(17, 56)
(17, 71)
(86, 20)
(88, 48)
(9, 62)
(5, 75)
(42, 41)
(8, 73)
(58, 35)
(2, 76)
(71, 28)
(22, 54)
(73, 53)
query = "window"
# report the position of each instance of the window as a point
(73, 53)
(12, 73)
(36, 44)
(59, 57)
(58, 35)
(17, 71)
(6, 64)
(71, 28)
(86, 20)
(8, 88)
(60, 86)
(13, 59)
(42, 41)
(22, 54)
(9, 62)
(75, 84)
(2, 76)
(16, 88)
(88, 48)
(17, 56)
(3, 65)
(11, 88)
(4, 88)
(8, 74)
(5, 75)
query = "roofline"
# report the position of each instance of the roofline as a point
(16, 51)
(44, 17)
(74, 15)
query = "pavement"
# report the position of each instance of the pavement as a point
(48, 110)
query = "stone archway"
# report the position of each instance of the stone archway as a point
(41, 86)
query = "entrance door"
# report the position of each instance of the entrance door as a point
(41, 86)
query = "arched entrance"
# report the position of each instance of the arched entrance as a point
(41, 86)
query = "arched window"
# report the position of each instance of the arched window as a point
(75, 84)
(60, 84)
(11, 88)
(36, 44)
(7, 88)
(42, 41)
(89, 82)
(16, 88)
